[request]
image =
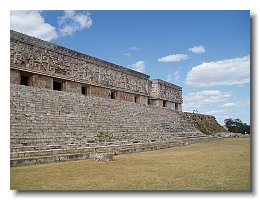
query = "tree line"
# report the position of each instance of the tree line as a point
(237, 126)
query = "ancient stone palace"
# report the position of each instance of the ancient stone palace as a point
(42, 64)
(66, 105)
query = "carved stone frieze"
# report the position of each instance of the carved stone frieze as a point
(34, 55)
(166, 91)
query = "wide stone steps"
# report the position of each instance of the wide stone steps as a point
(44, 120)
(56, 155)
(45, 143)
(21, 142)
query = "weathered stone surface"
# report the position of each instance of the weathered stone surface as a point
(51, 126)
(45, 62)
(47, 123)
(103, 157)
(166, 91)
(34, 55)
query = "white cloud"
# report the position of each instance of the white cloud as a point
(32, 23)
(127, 54)
(197, 49)
(135, 48)
(229, 105)
(138, 66)
(73, 21)
(236, 104)
(175, 77)
(218, 73)
(207, 97)
(173, 58)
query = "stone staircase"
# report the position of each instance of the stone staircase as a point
(49, 126)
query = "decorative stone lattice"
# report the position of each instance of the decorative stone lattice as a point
(35, 56)
(166, 91)
(40, 57)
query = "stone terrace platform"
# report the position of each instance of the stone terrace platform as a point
(49, 126)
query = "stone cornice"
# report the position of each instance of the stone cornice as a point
(68, 52)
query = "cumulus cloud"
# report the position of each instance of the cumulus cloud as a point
(236, 104)
(229, 105)
(73, 21)
(207, 97)
(138, 66)
(32, 23)
(173, 58)
(204, 99)
(197, 49)
(226, 72)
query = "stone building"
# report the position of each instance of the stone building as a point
(41, 64)
(67, 105)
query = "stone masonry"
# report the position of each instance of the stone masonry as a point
(70, 106)
(45, 64)
(164, 94)
(49, 125)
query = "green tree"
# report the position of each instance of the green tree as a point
(237, 126)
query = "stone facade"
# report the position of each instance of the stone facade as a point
(164, 94)
(42, 64)
(69, 106)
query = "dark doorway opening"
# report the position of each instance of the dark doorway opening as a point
(137, 99)
(113, 95)
(84, 90)
(176, 106)
(164, 103)
(25, 80)
(57, 85)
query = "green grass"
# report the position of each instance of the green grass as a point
(218, 165)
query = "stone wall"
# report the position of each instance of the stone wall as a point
(164, 94)
(41, 81)
(171, 105)
(36, 56)
(166, 91)
(44, 62)
(143, 100)
(157, 102)
(15, 76)
(71, 86)
(99, 92)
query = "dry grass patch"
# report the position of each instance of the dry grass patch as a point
(219, 165)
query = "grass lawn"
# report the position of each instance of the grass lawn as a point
(218, 165)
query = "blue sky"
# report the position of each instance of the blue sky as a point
(207, 53)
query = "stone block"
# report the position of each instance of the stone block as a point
(103, 157)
